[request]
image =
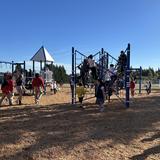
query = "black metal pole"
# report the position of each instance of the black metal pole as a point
(24, 68)
(75, 73)
(12, 67)
(127, 76)
(102, 63)
(33, 68)
(107, 60)
(45, 65)
(40, 65)
(140, 80)
(72, 77)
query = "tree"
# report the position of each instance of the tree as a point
(59, 73)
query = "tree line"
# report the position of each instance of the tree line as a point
(59, 73)
(149, 73)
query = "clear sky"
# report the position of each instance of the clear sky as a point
(88, 25)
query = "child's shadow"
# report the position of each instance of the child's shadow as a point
(150, 151)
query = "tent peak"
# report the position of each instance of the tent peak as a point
(42, 55)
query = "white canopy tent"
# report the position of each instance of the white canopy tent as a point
(42, 55)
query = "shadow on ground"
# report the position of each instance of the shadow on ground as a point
(66, 126)
(151, 151)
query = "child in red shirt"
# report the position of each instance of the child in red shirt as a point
(7, 88)
(132, 87)
(38, 85)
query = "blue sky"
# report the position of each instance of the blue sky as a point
(88, 25)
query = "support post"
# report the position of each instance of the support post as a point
(140, 80)
(45, 78)
(73, 76)
(127, 76)
(12, 67)
(40, 65)
(45, 65)
(107, 60)
(52, 70)
(102, 58)
(33, 68)
(75, 73)
(24, 68)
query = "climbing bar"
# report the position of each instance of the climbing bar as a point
(80, 53)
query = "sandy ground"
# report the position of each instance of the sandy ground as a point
(56, 130)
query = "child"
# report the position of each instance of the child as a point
(7, 88)
(38, 85)
(11, 86)
(92, 66)
(122, 62)
(51, 85)
(19, 87)
(100, 95)
(112, 73)
(132, 87)
(81, 93)
(148, 87)
(55, 87)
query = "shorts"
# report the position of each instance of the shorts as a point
(80, 99)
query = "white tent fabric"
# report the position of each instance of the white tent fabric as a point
(42, 55)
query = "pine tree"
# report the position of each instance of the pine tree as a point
(59, 73)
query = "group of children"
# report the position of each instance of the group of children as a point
(8, 85)
(99, 93)
(147, 87)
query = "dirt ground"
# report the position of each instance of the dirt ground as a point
(56, 130)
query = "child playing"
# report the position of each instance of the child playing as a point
(38, 85)
(100, 95)
(112, 73)
(55, 87)
(148, 87)
(19, 87)
(81, 93)
(92, 66)
(132, 87)
(7, 88)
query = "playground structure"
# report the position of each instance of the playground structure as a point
(102, 59)
(43, 57)
(87, 132)
(12, 67)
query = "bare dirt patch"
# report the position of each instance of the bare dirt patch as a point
(56, 130)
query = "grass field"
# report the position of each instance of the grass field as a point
(56, 130)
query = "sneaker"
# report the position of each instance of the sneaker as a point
(82, 107)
